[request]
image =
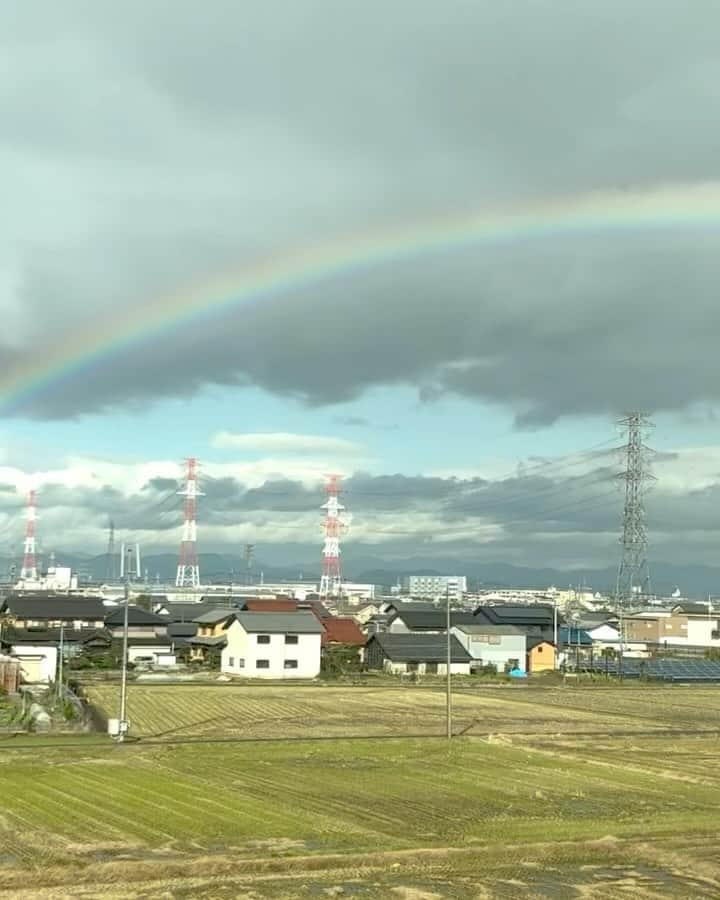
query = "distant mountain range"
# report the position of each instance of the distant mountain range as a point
(299, 562)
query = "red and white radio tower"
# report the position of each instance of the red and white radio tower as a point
(29, 567)
(188, 572)
(335, 526)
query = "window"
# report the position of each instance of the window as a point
(291, 664)
(241, 663)
(431, 668)
(291, 639)
(412, 667)
(231, 661)
(263, 639)
(262, 663)
(540, 648)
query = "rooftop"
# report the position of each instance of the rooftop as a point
(214, 616)
(482, 628)
(300, 622)
(341, 630)
(53, 607)
(420, 648)
(136, 616)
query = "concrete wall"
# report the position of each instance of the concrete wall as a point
(38, 664)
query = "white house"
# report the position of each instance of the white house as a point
(272, 645)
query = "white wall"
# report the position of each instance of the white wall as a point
(43, 658)
(152, 652)
(243, 647)
(401, 667)
(511, 646)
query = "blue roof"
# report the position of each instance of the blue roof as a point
(574, 636)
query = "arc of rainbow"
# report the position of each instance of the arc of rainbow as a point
(680, 206)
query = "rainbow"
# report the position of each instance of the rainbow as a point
(672, 207)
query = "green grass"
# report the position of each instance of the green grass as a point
(533, 810)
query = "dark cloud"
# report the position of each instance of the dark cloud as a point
(168, 144)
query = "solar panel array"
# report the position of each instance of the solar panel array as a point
(673, 670)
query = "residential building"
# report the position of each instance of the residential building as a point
(433, 586)
(538, 620)
(147, 633)
(52, 611)
(272, 645)
(425, 654)
(502, 646)
(431, 620)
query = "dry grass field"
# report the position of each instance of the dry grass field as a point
(558, 793)
(241, 711)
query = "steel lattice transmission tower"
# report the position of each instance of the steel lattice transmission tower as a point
(249, 557)
(633, 573)
(188, 571)
(110, 570)
(334, 526)
(29, 567)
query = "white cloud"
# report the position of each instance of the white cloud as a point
(284, 442)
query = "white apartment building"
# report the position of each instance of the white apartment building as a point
(272, 645)
(433, 586)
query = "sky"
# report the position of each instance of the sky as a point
(468, 392)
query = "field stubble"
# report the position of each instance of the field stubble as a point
(577, 793)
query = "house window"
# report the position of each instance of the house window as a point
(412, 667)
(231, 661)
(262, 663)
(431, 668)
(263, 639)
(540, 649)
(291, 639)
(241, 664)
(291, 664)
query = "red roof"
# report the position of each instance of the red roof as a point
(342, 631)
(271, 605)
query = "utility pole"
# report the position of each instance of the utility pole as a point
(123, 681)
(59, 688)
(448, 676)
(633, 573)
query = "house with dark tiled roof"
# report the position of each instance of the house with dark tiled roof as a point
(537, 619)
(427, 621)
(424, 654)
(52, 611)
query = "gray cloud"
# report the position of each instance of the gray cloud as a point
(556, 513)
(148, 146)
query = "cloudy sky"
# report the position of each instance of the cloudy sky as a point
(468, 393)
